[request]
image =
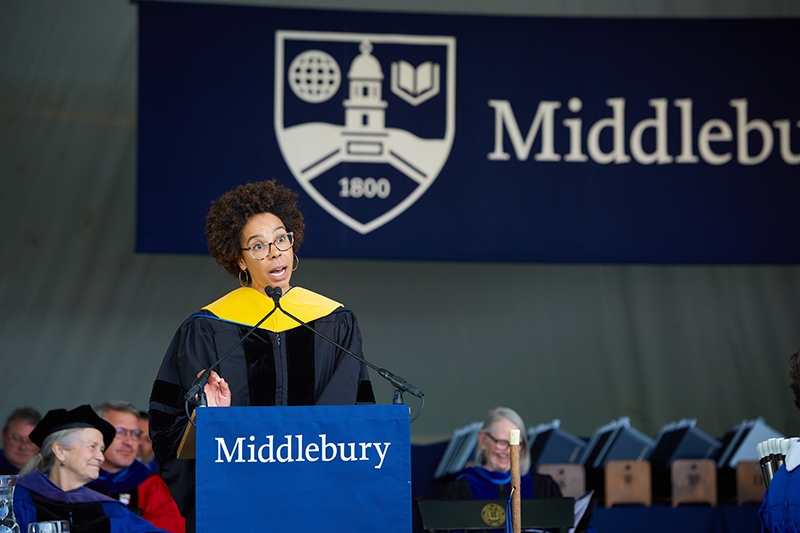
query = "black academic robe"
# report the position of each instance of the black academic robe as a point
(36, 499)
(281, 363)
(465, 486)
(123, 485)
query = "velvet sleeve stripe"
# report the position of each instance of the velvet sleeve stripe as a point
(165, 393)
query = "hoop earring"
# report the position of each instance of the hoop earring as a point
(295, 263)
(247, 281)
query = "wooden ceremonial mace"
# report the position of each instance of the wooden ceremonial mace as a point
(516, 507)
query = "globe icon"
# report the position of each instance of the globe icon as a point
(314, 76)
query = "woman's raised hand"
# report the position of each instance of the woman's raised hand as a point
(218, 392)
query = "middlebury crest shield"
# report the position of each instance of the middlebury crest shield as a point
(365, 122)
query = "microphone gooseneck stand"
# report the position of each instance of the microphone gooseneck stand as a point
(398, 384)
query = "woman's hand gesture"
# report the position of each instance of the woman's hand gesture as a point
(218, 392)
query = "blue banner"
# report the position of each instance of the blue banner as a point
(332, 468)
(476, 138)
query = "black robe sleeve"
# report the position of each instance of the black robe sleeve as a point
(544, 486)
(346, 379)
(192, 349)
(450, 488)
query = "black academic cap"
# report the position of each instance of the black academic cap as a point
(80, 417)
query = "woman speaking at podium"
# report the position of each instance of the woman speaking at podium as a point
(254, 232)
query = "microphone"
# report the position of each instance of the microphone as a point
(200, 383)
(275, 293)
(397, 382)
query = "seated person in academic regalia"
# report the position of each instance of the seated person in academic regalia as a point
(17, 447)
(780, 509)
(489, 476)
(132, 482)
(52, 484)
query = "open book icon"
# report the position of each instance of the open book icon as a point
(415, 85)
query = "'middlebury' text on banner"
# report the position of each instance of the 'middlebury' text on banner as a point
(324, 468)
(476, 138)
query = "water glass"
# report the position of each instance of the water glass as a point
(7, 522)
(53, 526)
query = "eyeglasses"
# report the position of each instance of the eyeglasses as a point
(135, 434)
(260, 250)
(502, 443)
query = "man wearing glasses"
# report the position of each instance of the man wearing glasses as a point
(124, 478)
(17, 447)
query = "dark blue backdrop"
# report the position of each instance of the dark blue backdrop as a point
(207, 123)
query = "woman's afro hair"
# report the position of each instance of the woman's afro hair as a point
(229, 214)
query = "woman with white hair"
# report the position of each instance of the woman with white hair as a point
(489, 478)
(51, 485)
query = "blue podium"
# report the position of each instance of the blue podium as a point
(319, 468)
